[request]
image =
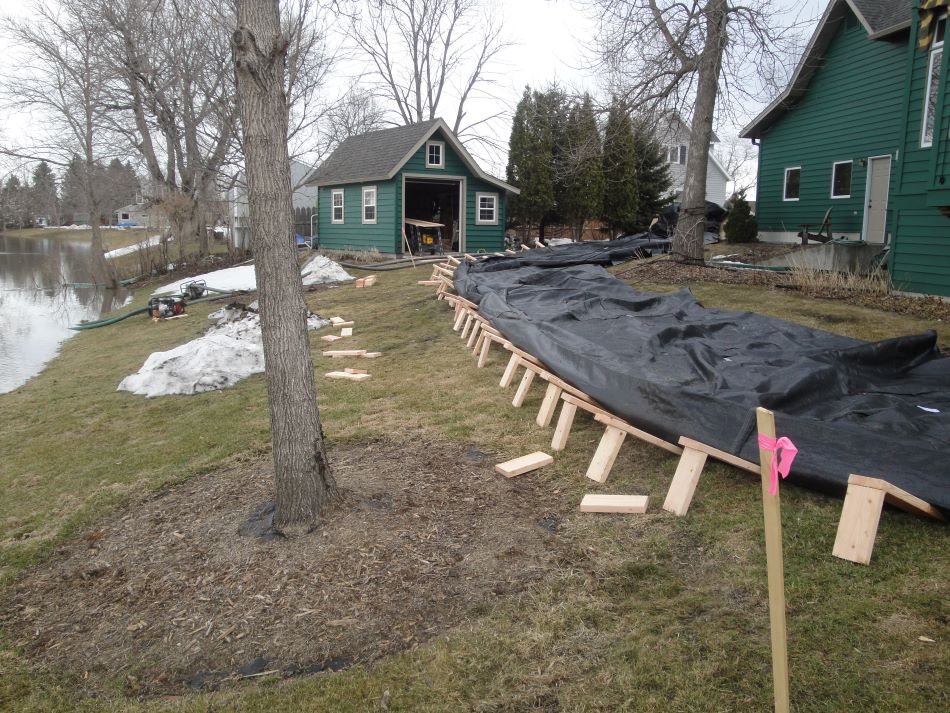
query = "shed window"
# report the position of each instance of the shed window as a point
(434, 154)
(793, 177)
(369, 204)
(337, 204)
(487, 207)
(933, 84)
(841, 179)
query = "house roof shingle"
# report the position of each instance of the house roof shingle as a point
(370, 156)
(883, 15)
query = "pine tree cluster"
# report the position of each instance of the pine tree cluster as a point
(572, 169)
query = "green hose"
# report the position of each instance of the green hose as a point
(140, 310)
(110, 320)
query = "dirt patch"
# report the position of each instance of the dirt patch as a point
(665, 270)
(169, 597)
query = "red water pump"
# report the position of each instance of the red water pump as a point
(166, 306)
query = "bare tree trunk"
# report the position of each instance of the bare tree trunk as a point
(688, 237)
(305, 484)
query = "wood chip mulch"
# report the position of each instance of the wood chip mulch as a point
(167, 596)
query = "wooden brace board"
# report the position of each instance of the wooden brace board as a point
(861, 514)
(690, 468)
(346, 375)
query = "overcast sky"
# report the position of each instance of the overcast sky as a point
(550, 37)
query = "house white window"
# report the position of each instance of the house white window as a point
(369, 204)
(841, 179)
(677, 154)
(486, 207)
(793, 177)
(435, 154)
(336, 202)
(933, 84)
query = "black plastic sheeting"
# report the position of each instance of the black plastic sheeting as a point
(671, 367)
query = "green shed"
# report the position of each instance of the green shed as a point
(410, 187)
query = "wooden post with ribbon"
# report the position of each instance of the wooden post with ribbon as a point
(771, 464)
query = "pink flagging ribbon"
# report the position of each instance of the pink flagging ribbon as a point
(778, 465)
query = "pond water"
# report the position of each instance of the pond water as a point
(38, 303)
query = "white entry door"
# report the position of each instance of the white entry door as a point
(875, 203)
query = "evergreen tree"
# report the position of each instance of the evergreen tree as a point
(620, 171)
(530, 162)
(583, 182)
(653, 176)
(741, 226)
(120, 187)
(43, 198)
(16, 211)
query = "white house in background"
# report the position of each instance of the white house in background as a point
(673, 135)
(304, 201)
(134, 215)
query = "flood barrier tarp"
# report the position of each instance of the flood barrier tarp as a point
(673, 368)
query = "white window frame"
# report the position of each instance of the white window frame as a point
(834, 166)
(441, 163)
(785, 183)
(369, 190)
(936, 54)
(478, 209)
(333, 194)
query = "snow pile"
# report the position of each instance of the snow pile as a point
(231, 279)
(321, 269)
(228, 352)
(317, 271)
(147, 243)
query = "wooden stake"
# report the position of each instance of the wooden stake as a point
(775, 565)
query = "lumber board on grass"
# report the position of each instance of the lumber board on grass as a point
(898, 497)
(596, 502)
(346, 332)
(606, 454)
(361, 282)
(350, 370)
(518, 466)
(346, 376)
(613, 421)
(371, 355)
(337, 353)
(683, 486)
(370, 281)
(720, 455)
(336, 321)
(330, 337)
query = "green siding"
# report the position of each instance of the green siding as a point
(851, 110)
(353, 234)
(920, 260)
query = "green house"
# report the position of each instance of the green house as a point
(412, 188)
(862, 130)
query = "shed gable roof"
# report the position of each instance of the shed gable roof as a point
(378, 155)
(879, 18)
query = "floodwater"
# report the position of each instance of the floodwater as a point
(37, 305)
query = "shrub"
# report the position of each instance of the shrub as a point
(741, 226)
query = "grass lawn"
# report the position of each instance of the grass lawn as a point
(647, 613)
